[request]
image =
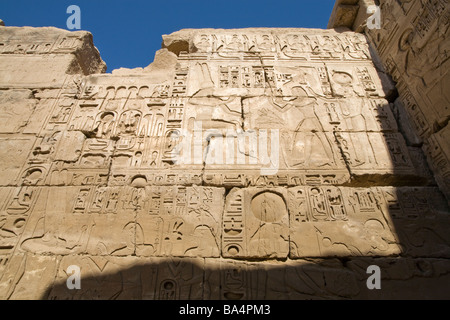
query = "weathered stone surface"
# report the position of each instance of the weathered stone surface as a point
(241, 164)
(412, 45)
(29, 51)
(324, 279)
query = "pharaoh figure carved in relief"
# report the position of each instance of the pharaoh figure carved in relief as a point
(307, 145)
(211, 108)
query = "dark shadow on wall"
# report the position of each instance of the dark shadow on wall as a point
(416, 208)
(174, 279)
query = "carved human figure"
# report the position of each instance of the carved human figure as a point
(296, 45)
(309, 146)
(427, 63)
(355, 47)
(203, 44)
(235, 43)
(264, 43)
(329, 44)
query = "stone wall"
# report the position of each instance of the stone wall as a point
(413, 47)
(296, 172)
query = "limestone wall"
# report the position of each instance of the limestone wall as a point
(241, 164)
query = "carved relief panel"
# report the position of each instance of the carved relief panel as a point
(337, 221)
(255, 224)
(180, 221)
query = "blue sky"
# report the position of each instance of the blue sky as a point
(127, 33)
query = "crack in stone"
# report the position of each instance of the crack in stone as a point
(202, 175)
(344, 158)
(242, 114)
